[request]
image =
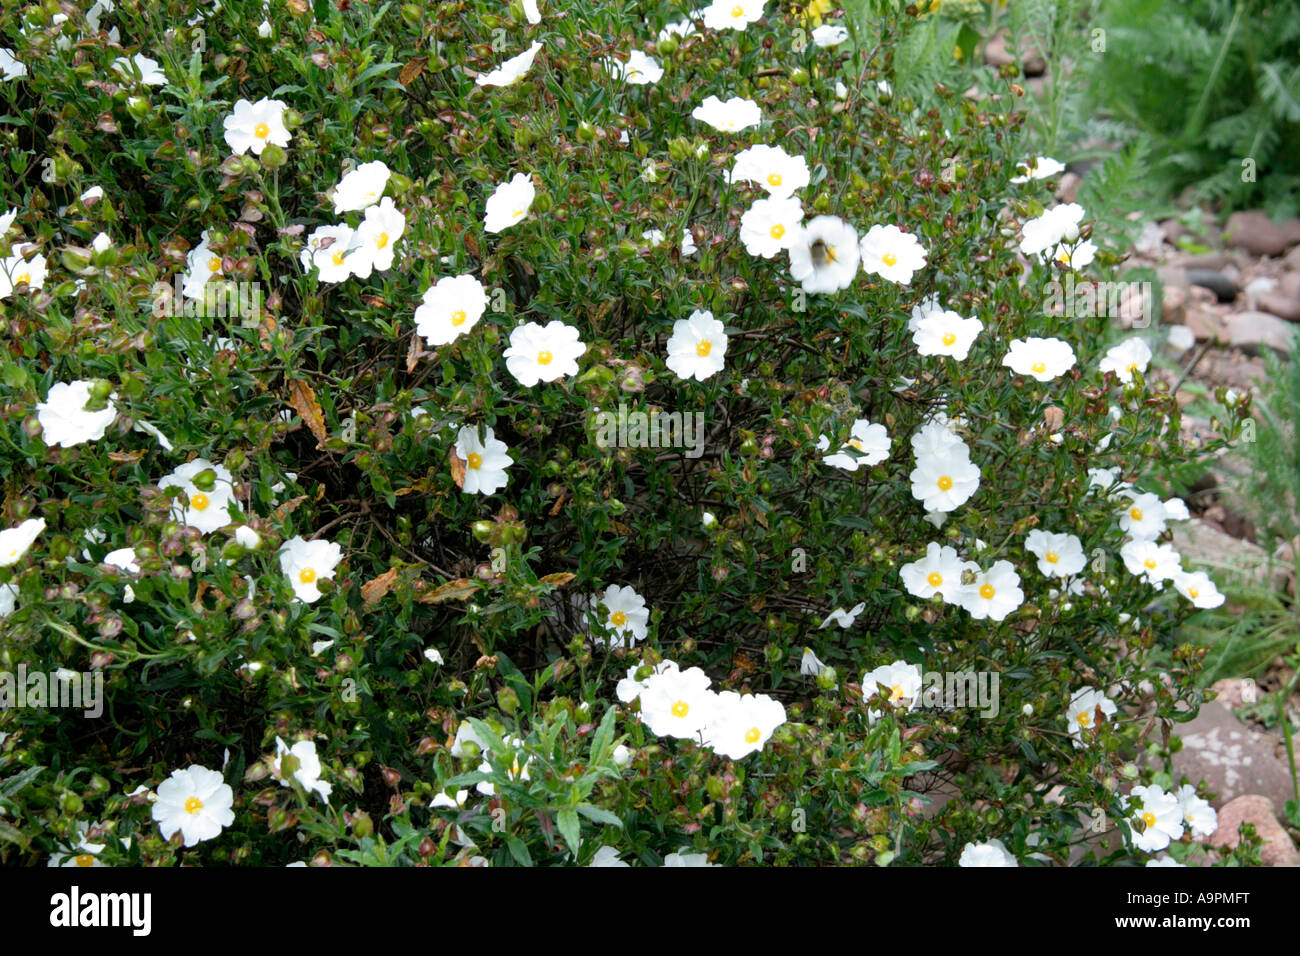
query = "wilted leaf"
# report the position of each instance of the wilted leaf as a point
(457, 590)
(303, 401)
(373, 591)
(457, 468)
(559, 579)
(289, 507)
(412, 70)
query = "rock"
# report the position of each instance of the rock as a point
(1068, 188)
(1173, 230)
(1251, 331)
(1224, 289)
(1173, 305)
(1235, 692)
(1292, 260)
(1179, 338)
(1283, 306)
(997, 53)
(1256, 233)
(1203, 260)
(1278, 849)
(1289, 284)
(1231, 758)
(1202, 544)
(1233, 369)
(1205, 324)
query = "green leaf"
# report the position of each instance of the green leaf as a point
(566, 821)
(518, 850)
(599, 815)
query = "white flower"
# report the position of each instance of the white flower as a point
(378, 235)
(124, 559)
(511, 71)
(1198, 815)
(17, 270)
(531, 13)
(1081, 715)
(994, 594)
(842, 618)
(433, 655)
(543, 353)
(362, 187)
(1164, 861)
(1156, 563)
(1061, 223)
(205, 510)
(869, 440)
(82, 854)
(939, 572)
(1159, 814)
(946, 333)
(607, 856)
(509, 203)
(732, 14)
(732, 116)
(66, 421)
(196, 801)
(450, 308)
(992, 853)
(698, 346)
(681, 29)
(629, 688)
(1077, 255)
(485, 461)
(466, 734)
(678, 703)
(1131, 355)
(342, 257)
(627, 616)
(264, 29)
(945, 481)
(254, 125)
(1059, 555)
(15, 541)
(687, 859)
(770, 225)
(901, 679)
(779, 173)
(828, 35)
(824, 255)
(1043, 167)
(639, 70)
(1044, 359)
(307, 562)
(150, 73)
(201, 264)
(10, 68)
(653, 237)
(892, 254)
(7, 220)
(688, 243)
(810, 665)
(518, 769)
(924, 309)
(1198, 588)
(622, 756)
(1144, 517)
(247, 537)
(308, 772)
(8, 604)
(1176, 510)
(741, 725)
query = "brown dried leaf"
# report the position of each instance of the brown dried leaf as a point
(412, 70)
(559, 579)
(457, 468)
(289, 507)
(125, 457)
(373, 591)
(303, 401)
(413, 353)
(457, 590)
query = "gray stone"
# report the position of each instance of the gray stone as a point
(1202, 260)
(1252, 331)
(1203, 544)
(1232, 759)
(1258, 234)
(1289, 284)
(1278, 848)
(1068, 189)
(1221, 285)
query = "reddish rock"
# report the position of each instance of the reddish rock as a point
(1252, 331)
(1258, 234)
(1278, 849)
(1205, 324)
(1279, 304)
(1231, 758)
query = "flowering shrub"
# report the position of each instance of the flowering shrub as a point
(454, 427)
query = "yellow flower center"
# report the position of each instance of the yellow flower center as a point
(261, 131)
(1051, 557)
(544, 358)
(944, 483)
(199, 502)
(774, 179)
(889, 259)
(681, 709)
(1149, 564)
(1135, 514)
(458, 317)
(474, 460)
(752, 735)
(514, 768)
(949, 339)
(1193, 593)
(703, 349)
(307, 575)
(24, 279)
(338, 258)
(1039, 367)
(382, 241)
(1149, 819)
(987, 592)
(618, 619)
(1084, 719)
(517, 214)
(193, 805)
(84, 859)
(1132, 366)
(935, 579)
(777, 231)
(896, 693)
(737, 11)
(214, 264)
